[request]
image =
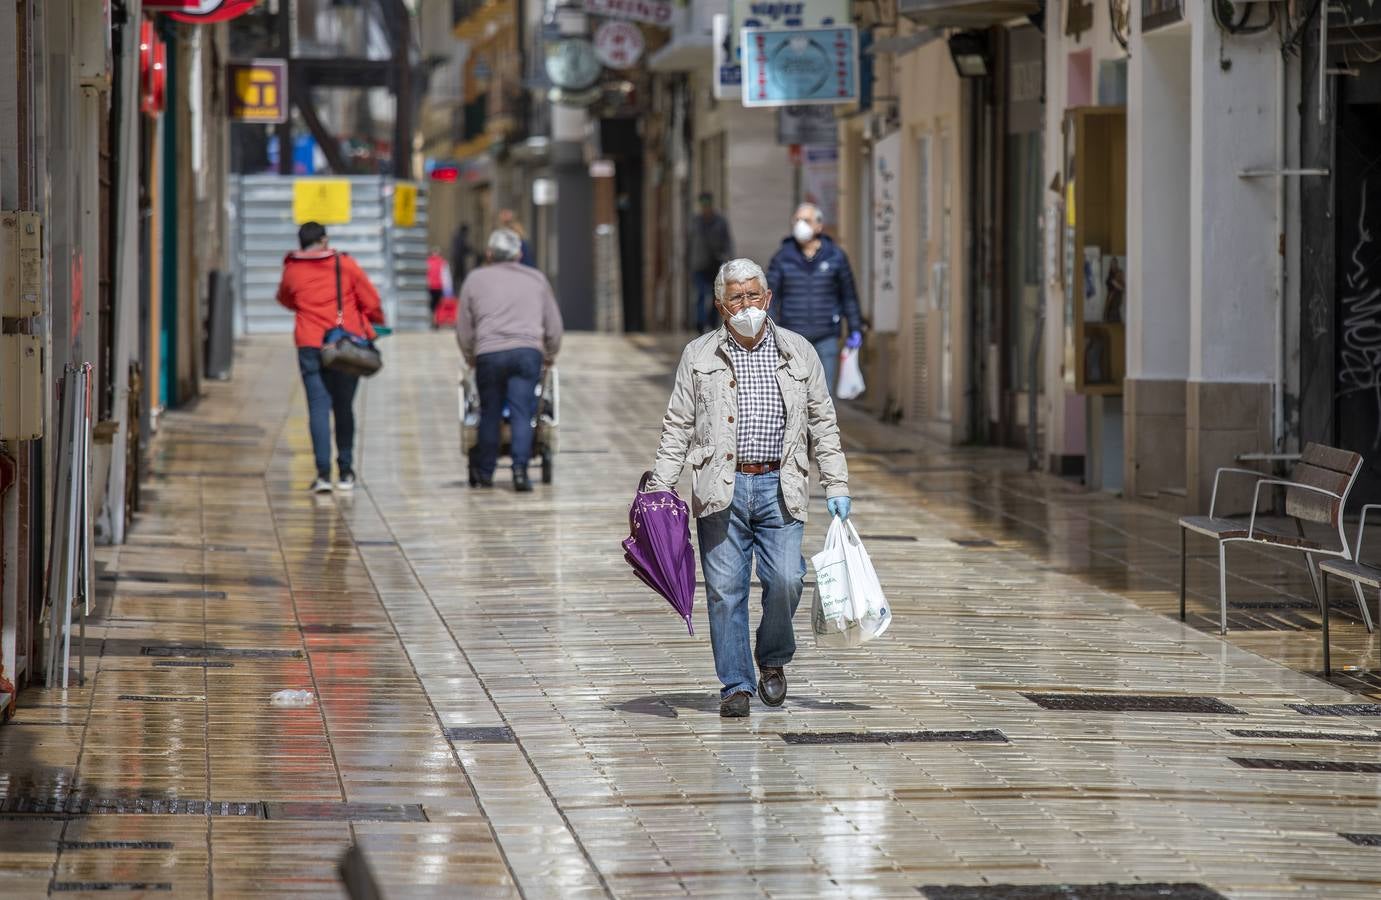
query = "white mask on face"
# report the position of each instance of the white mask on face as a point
(802, 231)
(748, 321)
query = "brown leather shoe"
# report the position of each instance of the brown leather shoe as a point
(772, 685)
(734, 706)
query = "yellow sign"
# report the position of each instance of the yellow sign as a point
(324, 200)
(404, 205)
(259, 91)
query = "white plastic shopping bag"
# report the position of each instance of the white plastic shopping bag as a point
(865, 591)
(850, 383)
(832, 617)
(848, 607)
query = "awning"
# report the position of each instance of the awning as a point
(966, 13)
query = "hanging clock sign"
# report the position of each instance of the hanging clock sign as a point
(619, 44)
(572, 64)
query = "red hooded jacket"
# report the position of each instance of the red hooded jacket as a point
(308, 288)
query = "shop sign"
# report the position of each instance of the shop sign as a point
(653, 12)
(201, 11)
(619, 44)
(757, 14)
(782, 67)
(727, 78)
(259, 91)
(404, 205)
(886, 222)
(324, 200)
(807, 125)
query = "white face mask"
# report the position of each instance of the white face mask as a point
(802, 231)
(748, 321)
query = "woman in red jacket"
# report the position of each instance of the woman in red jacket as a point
(325, 287)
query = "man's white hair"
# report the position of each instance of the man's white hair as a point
(504, 245)
(738, 270)
(815, 213)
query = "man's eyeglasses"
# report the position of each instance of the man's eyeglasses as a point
(738, 301)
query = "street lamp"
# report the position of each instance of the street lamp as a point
(969, 50)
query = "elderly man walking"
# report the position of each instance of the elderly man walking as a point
(509, 324)
(814, 286)
(748, 405)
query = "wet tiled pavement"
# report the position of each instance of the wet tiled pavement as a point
(502, 710)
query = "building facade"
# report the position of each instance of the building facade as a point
(113, 162)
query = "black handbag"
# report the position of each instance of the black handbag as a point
(345, 352)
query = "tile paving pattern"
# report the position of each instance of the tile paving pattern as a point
(501, 710)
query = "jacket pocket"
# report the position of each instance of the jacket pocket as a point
(698, 456)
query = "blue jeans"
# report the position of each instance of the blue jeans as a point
(329, 393)
(509, 376)
(755, 526)
(828, 351)
(704, 300)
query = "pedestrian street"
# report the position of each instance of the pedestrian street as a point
(502, 710)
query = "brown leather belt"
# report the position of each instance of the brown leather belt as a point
(758, 468)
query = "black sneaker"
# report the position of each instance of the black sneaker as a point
(346, 482)
(772, 685)
(734, 706)
(521, 483)
(320, 486)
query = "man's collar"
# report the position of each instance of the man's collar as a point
(726, 339)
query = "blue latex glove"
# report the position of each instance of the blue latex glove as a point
(855, 340)
(838, 506)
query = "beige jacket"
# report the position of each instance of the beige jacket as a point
(699, 425)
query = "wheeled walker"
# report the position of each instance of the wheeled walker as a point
(544, 426)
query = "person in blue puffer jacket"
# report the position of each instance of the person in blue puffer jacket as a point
(813, 289)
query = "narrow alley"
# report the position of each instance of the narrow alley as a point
(501, 709)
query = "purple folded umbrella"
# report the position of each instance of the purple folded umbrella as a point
(659, 549)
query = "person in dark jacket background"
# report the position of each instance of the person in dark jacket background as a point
(813, 288)
(711, 245)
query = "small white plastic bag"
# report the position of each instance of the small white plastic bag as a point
(865, 591)
(832, 608)
(850, 383)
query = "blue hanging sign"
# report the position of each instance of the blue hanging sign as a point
(793, 66)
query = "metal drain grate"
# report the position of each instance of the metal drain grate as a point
(1367, 738)
(1362, 839)
(1271, 604)
(376, 543)
(191, 664)
(983, 736)
(345, 812)
(157, 698)
(974, 542)
(339, 628)
(223, 652)
(899, 538)
(1105, 891)
(1304, 765)
(69, 887)
(482, 735)
(22, 805)
(115, 845)
(1133, 703)
(1336, 709)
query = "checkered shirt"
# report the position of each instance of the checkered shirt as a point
(761, 411)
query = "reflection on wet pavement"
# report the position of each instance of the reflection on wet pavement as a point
(499, 709)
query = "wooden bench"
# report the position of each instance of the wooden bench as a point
(1358, 573)
(1317, 492)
